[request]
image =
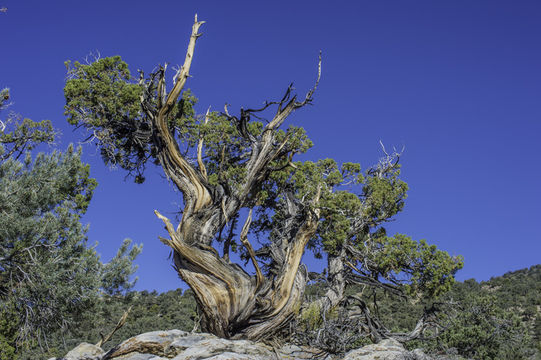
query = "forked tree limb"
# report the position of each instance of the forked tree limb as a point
(263, 149)
(292, 104)
(362, 278)
(209, 262)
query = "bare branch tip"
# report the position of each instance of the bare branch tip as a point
(164, 241)
(383, 147)
(198, 23)
(160, 216)
(318, 68)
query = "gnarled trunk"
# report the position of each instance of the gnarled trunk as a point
(233, 303)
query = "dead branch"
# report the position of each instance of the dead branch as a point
(248, 246)
(185, 69)
(120, 323)
(191, 182)
(283, 112)
(200, 149)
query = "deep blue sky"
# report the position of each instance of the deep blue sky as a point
(458, 83)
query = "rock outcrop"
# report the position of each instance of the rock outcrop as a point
(181, 345)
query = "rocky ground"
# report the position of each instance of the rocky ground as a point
(181, 345)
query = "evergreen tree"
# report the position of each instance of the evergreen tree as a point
(239, 169)
(48, 273)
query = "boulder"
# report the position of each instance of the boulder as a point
(387, 349)
(222, 349)
(85, 351)
(165, 344)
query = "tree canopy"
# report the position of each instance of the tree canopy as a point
(239, 182)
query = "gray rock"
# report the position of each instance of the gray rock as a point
(185, 342)
(231, 356)
(294, 352)
(420, 355)
(387, 349)
(222, 349)
(85, 351)
(139, 356)
(156, 343)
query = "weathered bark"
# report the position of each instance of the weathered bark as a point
(233, 303)
(337, 281)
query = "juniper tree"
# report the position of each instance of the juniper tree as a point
(238, 181)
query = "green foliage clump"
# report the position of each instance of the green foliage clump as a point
(311, 317)
(101, 93)
(103, 88)
(430, 271)
(4, 98)
(356, 222)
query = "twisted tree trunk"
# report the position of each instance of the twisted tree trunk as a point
(233, 303)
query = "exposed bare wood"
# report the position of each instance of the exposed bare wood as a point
(294, 254)
(120, 324)
(187, 179)
(248, 246)
(161, 90)
(336, 283)
(184, 72)
(202, 167)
